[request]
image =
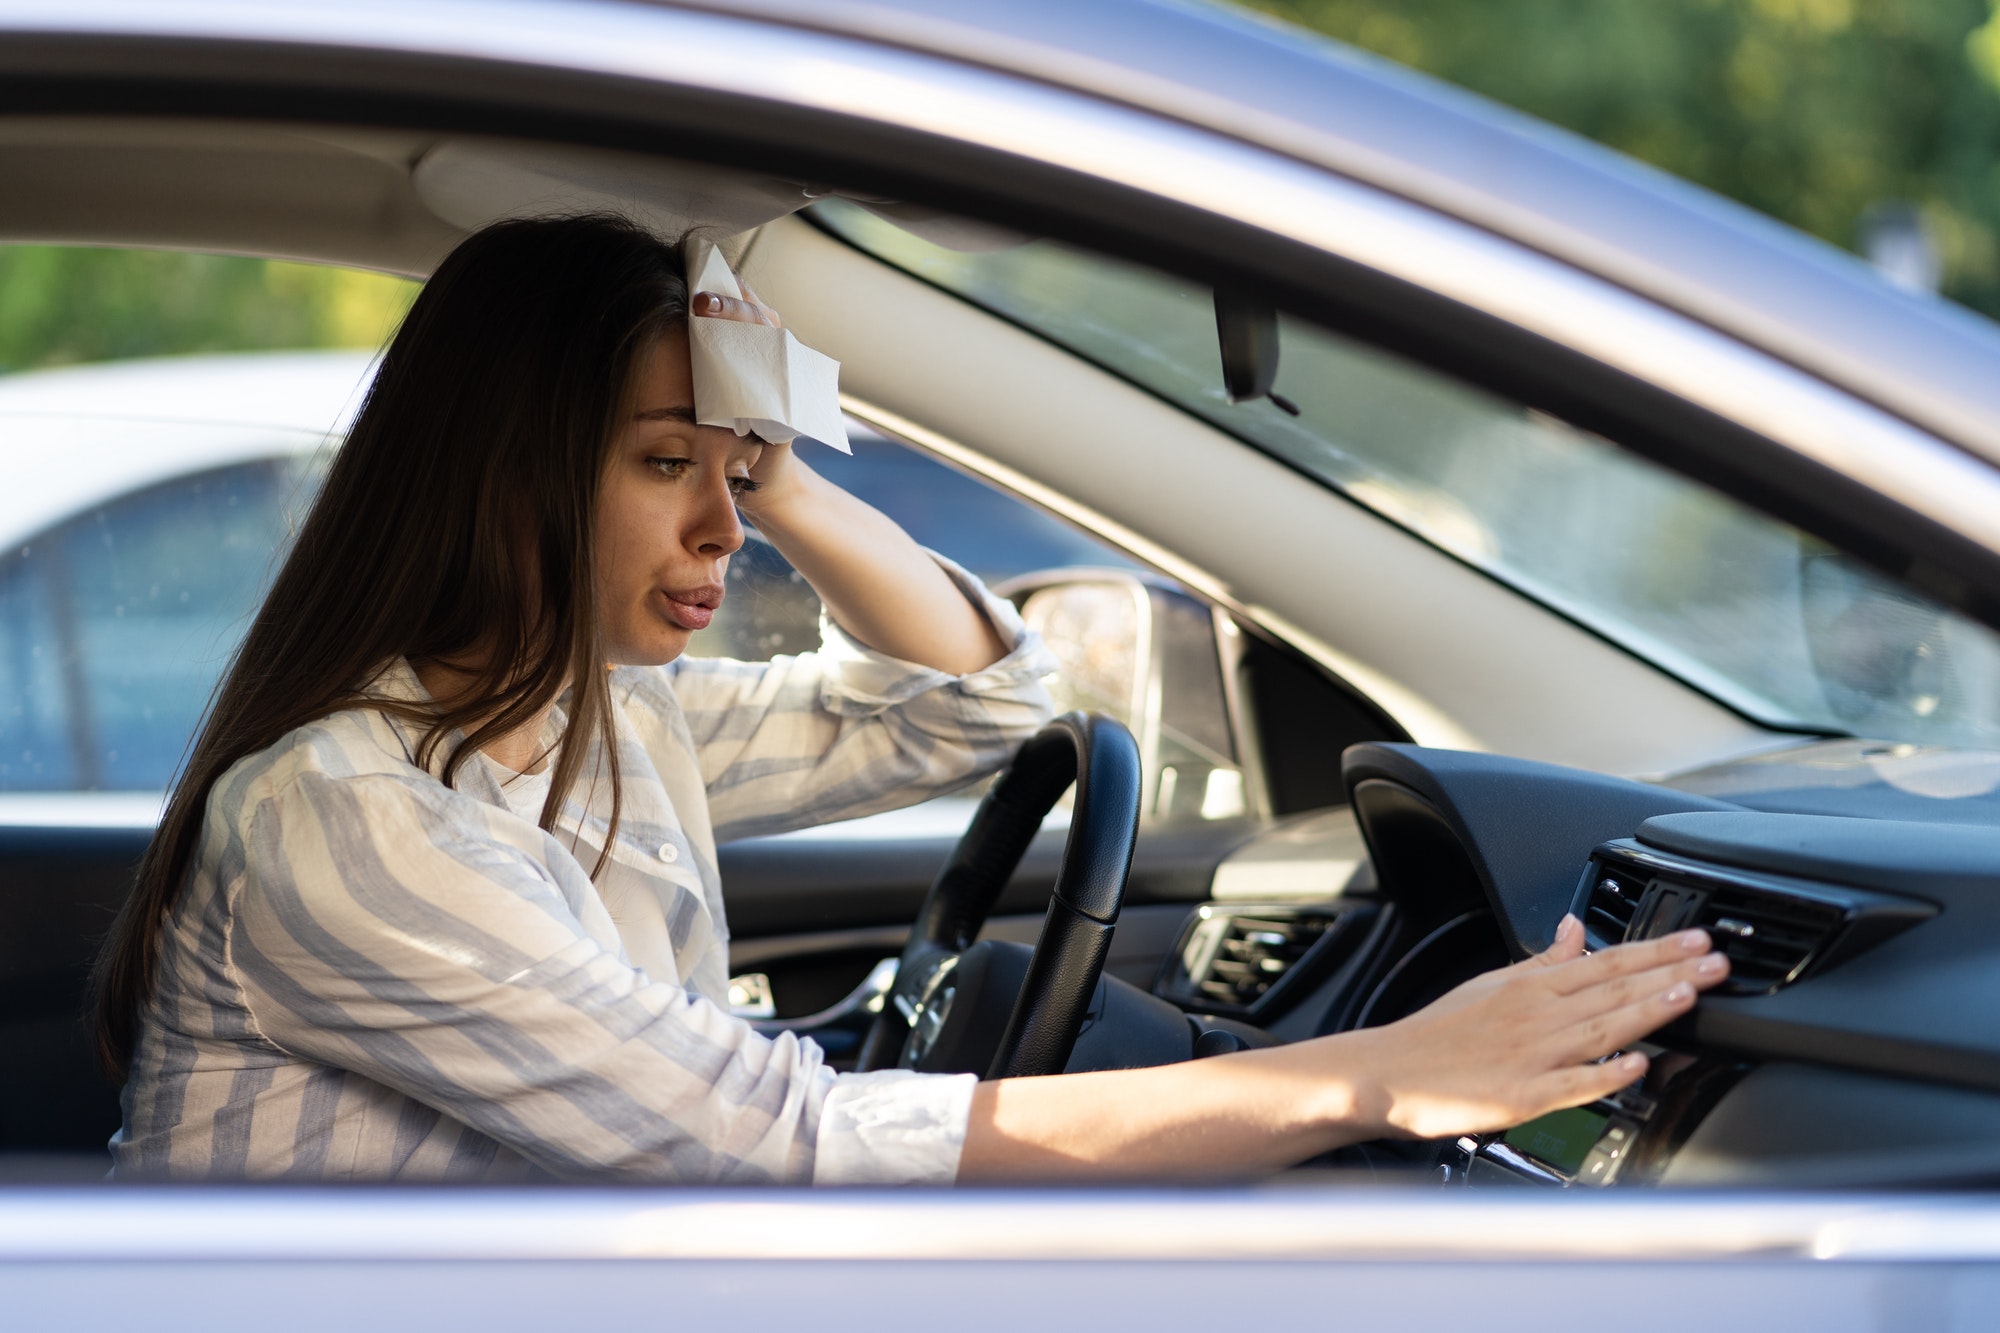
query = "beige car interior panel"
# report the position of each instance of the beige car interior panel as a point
(471, 182)
(1457, 658)
(389, 200)
(328, 197)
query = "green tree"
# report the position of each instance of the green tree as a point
(1810, 110)
(60, 305)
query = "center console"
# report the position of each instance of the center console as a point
(1626, 1138)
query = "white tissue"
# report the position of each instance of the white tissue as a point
(752, 377)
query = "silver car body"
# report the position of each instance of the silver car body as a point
(1277, 156)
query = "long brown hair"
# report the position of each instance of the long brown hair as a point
(456, 520)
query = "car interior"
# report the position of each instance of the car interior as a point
(1404, 659)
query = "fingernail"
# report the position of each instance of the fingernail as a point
(708, 303)
(1566, 927)
(1712, 966)
(1692, 940)
(1678, 993)
(1631, 1064)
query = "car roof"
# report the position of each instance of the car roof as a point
(140, 423)
(1927, 359)
(314, 391)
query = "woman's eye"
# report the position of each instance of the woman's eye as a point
(670, 467)
(743, 485)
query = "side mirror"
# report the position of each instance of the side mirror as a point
(1161, 662)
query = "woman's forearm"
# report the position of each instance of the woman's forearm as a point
(1497, 1051)
(1234, 1115)
(877, 583)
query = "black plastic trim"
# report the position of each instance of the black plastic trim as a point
(1857, 919)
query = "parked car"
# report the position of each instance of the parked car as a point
(127, 584)
(1521, 532)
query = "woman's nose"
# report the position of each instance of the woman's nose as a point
(717, 529)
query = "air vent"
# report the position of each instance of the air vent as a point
(1254, 953)
(1614, 900)
(1775, 929)
(1770, 937)
(1230, 959)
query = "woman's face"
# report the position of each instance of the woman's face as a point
(666, 514)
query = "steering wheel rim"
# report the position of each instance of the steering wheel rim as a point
(1099, 755)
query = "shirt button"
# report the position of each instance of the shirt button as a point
(669, 853)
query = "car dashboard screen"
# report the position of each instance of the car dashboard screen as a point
(1561, 1139)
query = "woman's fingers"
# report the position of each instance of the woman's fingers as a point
(1579, 1084)
(1617, 992)
(714, 305)
(1665, 995)
(1622, 1005)
(1568, 944)
(1622, 959)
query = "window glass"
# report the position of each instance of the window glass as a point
(769, 609)
(1140, 650)
(116, 624)
(1754, 612)
(151, 473)
(122, 600)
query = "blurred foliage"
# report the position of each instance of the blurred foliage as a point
(1810, 110)
(60, 305)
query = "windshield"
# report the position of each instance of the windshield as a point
(1757, 614)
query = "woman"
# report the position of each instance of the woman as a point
(436, 896)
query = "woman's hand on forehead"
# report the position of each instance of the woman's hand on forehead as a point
(771, 468)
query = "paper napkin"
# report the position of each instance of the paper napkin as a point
(752, 377)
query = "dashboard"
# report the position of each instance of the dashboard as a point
(1856, 1043)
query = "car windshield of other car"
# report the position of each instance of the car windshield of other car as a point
(1760, 616)
(115, 623)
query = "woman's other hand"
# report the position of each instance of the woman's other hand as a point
(1501, 1049)
(1519, 1042)
(879, 585)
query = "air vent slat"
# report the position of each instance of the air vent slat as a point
(1614, 901)
(1770, 937)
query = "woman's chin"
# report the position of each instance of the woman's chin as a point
(659, 646)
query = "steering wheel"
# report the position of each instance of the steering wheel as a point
(941, 965)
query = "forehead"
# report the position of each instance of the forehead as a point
(661, 376)
(662, 391)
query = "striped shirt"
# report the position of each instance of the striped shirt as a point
(371, 975)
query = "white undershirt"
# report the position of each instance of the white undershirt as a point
(526, 793)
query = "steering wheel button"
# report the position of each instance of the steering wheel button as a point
(669, 853)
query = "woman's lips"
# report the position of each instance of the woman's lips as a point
(693, 608)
